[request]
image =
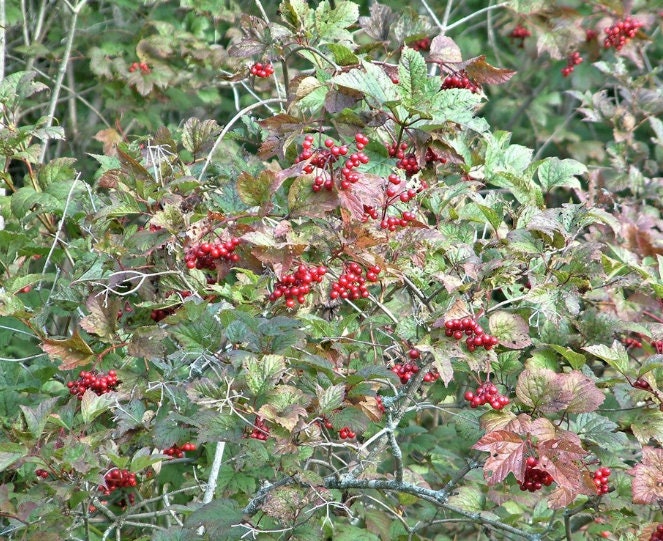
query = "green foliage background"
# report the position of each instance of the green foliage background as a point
(132, 132)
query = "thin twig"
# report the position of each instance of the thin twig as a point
(462, 21)
(62, 70)
(230, 124)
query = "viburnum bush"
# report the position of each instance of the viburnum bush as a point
(331, 270)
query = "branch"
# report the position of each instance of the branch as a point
(62, 70)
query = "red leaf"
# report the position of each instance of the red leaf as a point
(561, 459)
(366, 191)
(507, 454)
(647, 487)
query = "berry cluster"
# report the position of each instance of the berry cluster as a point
(262, 70)
(487, 393)
(346, 433)
(520, 33)
(657, 345)
(117, 478)
(297, 285)
(620, 33)
(142, 66)
(657, 534)
(205, 255)
(601, 480)
(326, 423)
(42, 473)
(571, 62)
(260, 430)
(641, 384)
(175, 451)
(321, 158)
(393, 222)
(380, 404)
(631, 342)
(405, 370)
(433, 157)
(98, 382)
(460, 80)
(535, 479)
(352, 283)
(476, 337)
(422, 44)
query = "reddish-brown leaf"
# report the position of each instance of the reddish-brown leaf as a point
(483, 73)
(72, 351)
(561, 459)
(581, 393)
(507, 454)
(647, 487)
(102, 318)
(445, 49)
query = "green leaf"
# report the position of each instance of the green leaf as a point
(331, 24)
(10, 453)
(261, 374)
(37, 416)
(93, 405)
(616, 355)
(26, 200)
(576, 360)
(371, 81)
(600, 431)
(218, 517)
(144, 458)
(255, 191)
(198, 135)
(331, 398)
(556, 173)
(648, 425)
(57, 170)
(418, 90)
(343, 56)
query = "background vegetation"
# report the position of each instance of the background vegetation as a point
(331, 270)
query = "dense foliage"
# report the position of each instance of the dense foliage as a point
(331, 270)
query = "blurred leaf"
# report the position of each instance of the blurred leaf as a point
(73, 351)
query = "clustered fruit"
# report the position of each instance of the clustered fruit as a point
(117, 478)
(422, 44)
(142, 66)
(520, 33)
(323, 158)
(159, 314)
(176, 451)
(406, 370)
(98, 382)
(571, 62)
(657, 345)
(535, 479)
(460, 80)
(205, 255)
(297, 285)
(657, 534)
(346, 433)
(391, 223)
(351, 284)
(263, 70)
(260, 430)
(600, 478)
(620, 33)
(632, 342)
(42, 473)
(380, 404)
(476, 337)
(487, 393)
(406, 160)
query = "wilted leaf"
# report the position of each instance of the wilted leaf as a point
(445, 49)
(483, 73)
(110, 137)
(102, 319)
(511, 329)
(73, 351)
(540, 389)
(647, 486)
